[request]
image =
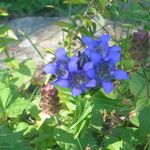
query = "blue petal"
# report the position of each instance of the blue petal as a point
(91, 73)
(87, 51)
(88, 66)
(61, 54)
(115, 57)
(65, 76)
(50, 69)
(95, 58)
(107, 86)
(106, 58)
(88, 41)
(72, 65)
(83, 59)
(105, 37)
(76, 91)
(105, 46)
(92, 83)
(121, 75)
(63, 83)
(115, 49)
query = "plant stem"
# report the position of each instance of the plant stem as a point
(61, 16)
(27, 37)
(47, 79)
(6, 52)
(148, 142)
(79, 144)
(70, 39)
(147, 85)
(57, 120)
(74, 32)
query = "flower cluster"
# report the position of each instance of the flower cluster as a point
(49, 103)
(140, 38)
(139, 46)
(93, 67)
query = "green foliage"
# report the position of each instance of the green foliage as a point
(144, 121)
(76, 1)
(6, 37)
(23, 74)
(130, 11)
(10, 8)
(115, 121)
(65, 140)
(12, 140)
(13, 110)
(121, 138)
(28, 6)
(139, 85)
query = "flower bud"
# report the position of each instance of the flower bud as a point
(50, 101)
(139, 46)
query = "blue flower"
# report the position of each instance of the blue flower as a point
(83, 59)
(78, 79)
(104, 58)
(105, 72)
(59, 67)
(94, 67)
(99, 49)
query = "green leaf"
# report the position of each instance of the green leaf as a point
(6, 36)
(134, 120)
(65, 140)
(82, 116)
(127, 64)
(75, 1)
(12, 140)
(17, 107)
(4, 76)
(85, 108)
(121, 138)
(144, 121)
(45, 139)
(11, 34)
(90, 139)
(141, 102)
(139, 86)
(65, 25)
(4, 30)
(12, 62)
(102, 20)
(23, 75)
(2, 49)
(84, 31)
(115, 146)
(34, 111)
(102, 102)
(9, 94)
(3, 12)
(5, 95)
(5, 42)
(96, 119)
(67, 100)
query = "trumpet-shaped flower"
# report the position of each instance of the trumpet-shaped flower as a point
(105, 72)
(94, 67)
(99, 49)
(78, 79)
(59, 67)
